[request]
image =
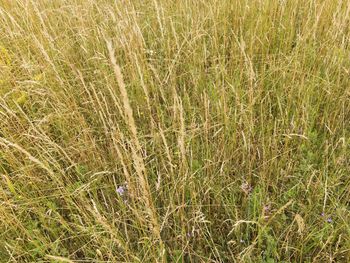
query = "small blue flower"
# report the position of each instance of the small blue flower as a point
(121, 190)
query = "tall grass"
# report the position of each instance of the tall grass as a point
(174, 131)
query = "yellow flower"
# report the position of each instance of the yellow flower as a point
(38, 77)
(22, 98)
(5, 58)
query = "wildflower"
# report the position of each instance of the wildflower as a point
(329, 220)
(267, 208)
(121, 190)
(246, 188)
(4, 56)
(150, 52)
(266, 211)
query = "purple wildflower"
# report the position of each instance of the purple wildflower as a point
(267, 208)
(322, 214)
(246, 188)
(329, 220)
(121, 190)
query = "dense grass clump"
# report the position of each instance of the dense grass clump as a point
(174, 131)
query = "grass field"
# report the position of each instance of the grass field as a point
(175, 131)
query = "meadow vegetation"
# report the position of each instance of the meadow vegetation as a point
(174, 131)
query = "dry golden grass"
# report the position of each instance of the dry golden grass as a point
(174, 131)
